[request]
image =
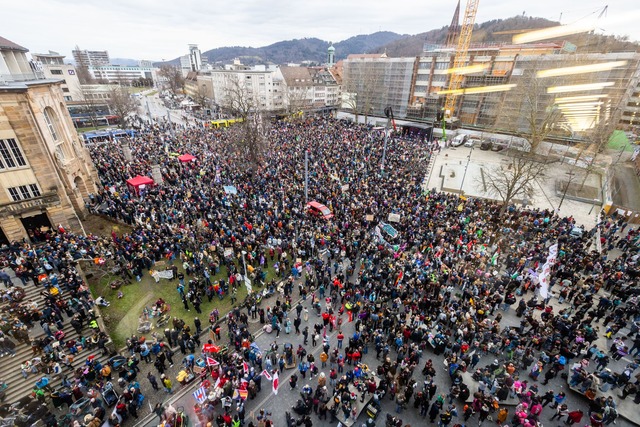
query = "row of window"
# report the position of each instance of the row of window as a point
(10, 154)
(24, 192)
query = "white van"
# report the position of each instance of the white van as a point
(459, 140)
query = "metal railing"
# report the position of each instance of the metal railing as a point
(15, 208)
(34, 75)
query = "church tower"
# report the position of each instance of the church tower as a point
(454, 28)
(331, 54)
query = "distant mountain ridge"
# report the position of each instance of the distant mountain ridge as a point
(398, 45)
(298, 50)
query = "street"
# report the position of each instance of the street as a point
(152, 104)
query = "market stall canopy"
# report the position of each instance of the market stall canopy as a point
(186, 158)
(139, 182)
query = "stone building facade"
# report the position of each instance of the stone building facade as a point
(46, 173)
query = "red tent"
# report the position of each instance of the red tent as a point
(137, 182)
(186, 158)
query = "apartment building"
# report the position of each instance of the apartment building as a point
(53, 67)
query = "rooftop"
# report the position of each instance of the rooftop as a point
(8, 44)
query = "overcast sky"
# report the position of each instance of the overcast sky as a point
(161, 29)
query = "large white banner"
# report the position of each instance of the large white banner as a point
(543, 277)
(162, 274)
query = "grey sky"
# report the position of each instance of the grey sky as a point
(161, 29)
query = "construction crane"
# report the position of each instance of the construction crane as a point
(468, 20)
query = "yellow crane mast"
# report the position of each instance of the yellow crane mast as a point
(468, 20)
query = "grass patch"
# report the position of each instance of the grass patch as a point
(134, 89)
(620, 141)
(121, 317)
(92, 128)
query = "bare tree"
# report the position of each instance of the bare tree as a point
(121, 103)
(200, 97)
(363, 88)
(84, 76)
(297, 98)
(350, 97)
(248, 143)
(174, 78)
(529, 111)
(90, 105)
(515, 179)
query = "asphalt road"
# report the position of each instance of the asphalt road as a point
(158, 110)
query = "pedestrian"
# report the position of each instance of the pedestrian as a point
(168, 353)
(153, 381)
(158, 409)
(198, 325)
(561, 411)
(574, 417)
(166, 382)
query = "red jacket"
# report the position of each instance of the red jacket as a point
(575, 416)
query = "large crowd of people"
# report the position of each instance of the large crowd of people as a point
(440, 284)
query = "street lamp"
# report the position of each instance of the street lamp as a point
(389, 113)
(592, 206)
(465, 169)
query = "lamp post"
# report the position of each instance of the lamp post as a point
(592, 206)
(389, 113)
(306, 176)
(465, 170)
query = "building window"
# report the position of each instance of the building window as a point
(65, 90)
(52, 129)
(10, 154)
(24, 192)
(56, 72)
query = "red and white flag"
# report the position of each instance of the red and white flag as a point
(211, 361)
(267, 375)
(245, 366)
(276, 382)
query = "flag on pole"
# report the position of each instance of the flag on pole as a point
(275, 383)
(200, 395)
(217, 384)
(267, 375)
(245, 366)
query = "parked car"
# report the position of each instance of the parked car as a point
(486, 145)
(498, 146)
(459, 140)
(471, 142)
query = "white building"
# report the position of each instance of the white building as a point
(120, 73)
(91, 58)
(195, 57)
(53, 66)
(309, 88)
(193, 61)
(263, 86)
